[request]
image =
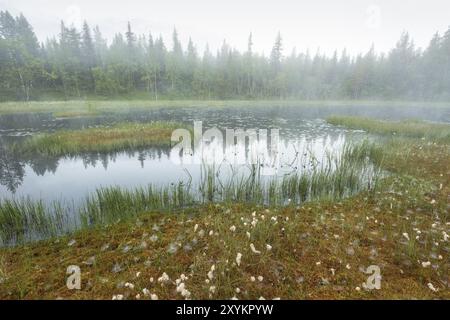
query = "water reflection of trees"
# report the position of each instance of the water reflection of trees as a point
(11, 170)
(12, 165)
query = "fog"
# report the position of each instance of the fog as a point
(323, 25)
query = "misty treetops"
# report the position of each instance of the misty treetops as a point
(80, 63)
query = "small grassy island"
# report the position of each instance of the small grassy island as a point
(224, 250)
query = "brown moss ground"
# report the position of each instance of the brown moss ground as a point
(307, 243)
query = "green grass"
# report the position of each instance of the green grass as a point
(407, 128)
(75, 108)
(123, 136)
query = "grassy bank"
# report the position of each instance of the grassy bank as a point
(407, 128)
(319, 249)
(74, 108)
(315, 251)
(102, 139)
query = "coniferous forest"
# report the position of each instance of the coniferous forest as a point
(81, 63)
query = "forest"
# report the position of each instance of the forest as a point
(82, 63)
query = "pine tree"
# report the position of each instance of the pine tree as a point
(276, 54)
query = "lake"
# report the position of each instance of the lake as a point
(304, 135)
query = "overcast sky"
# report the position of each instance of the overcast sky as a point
(316, 24)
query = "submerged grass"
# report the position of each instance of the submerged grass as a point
(122, 136)
(407, 128)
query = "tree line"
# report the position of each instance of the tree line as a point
(80, 63)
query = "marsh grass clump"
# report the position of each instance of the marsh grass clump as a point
(25, 219)
(122, 136)
(406, 128)
(108, 205)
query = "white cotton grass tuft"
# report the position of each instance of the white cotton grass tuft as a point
(252, 247)
(426, 264)
(129, 285)
(431, 287)
(164, 278)
(233, 228)
(238, 258)
(186, 293)
(211, 272)
(183, 277)
(268, 247)
(180, 287)
(405, 235)
(117, 297)
(260, 278)
(153, 296)
(252, 279)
